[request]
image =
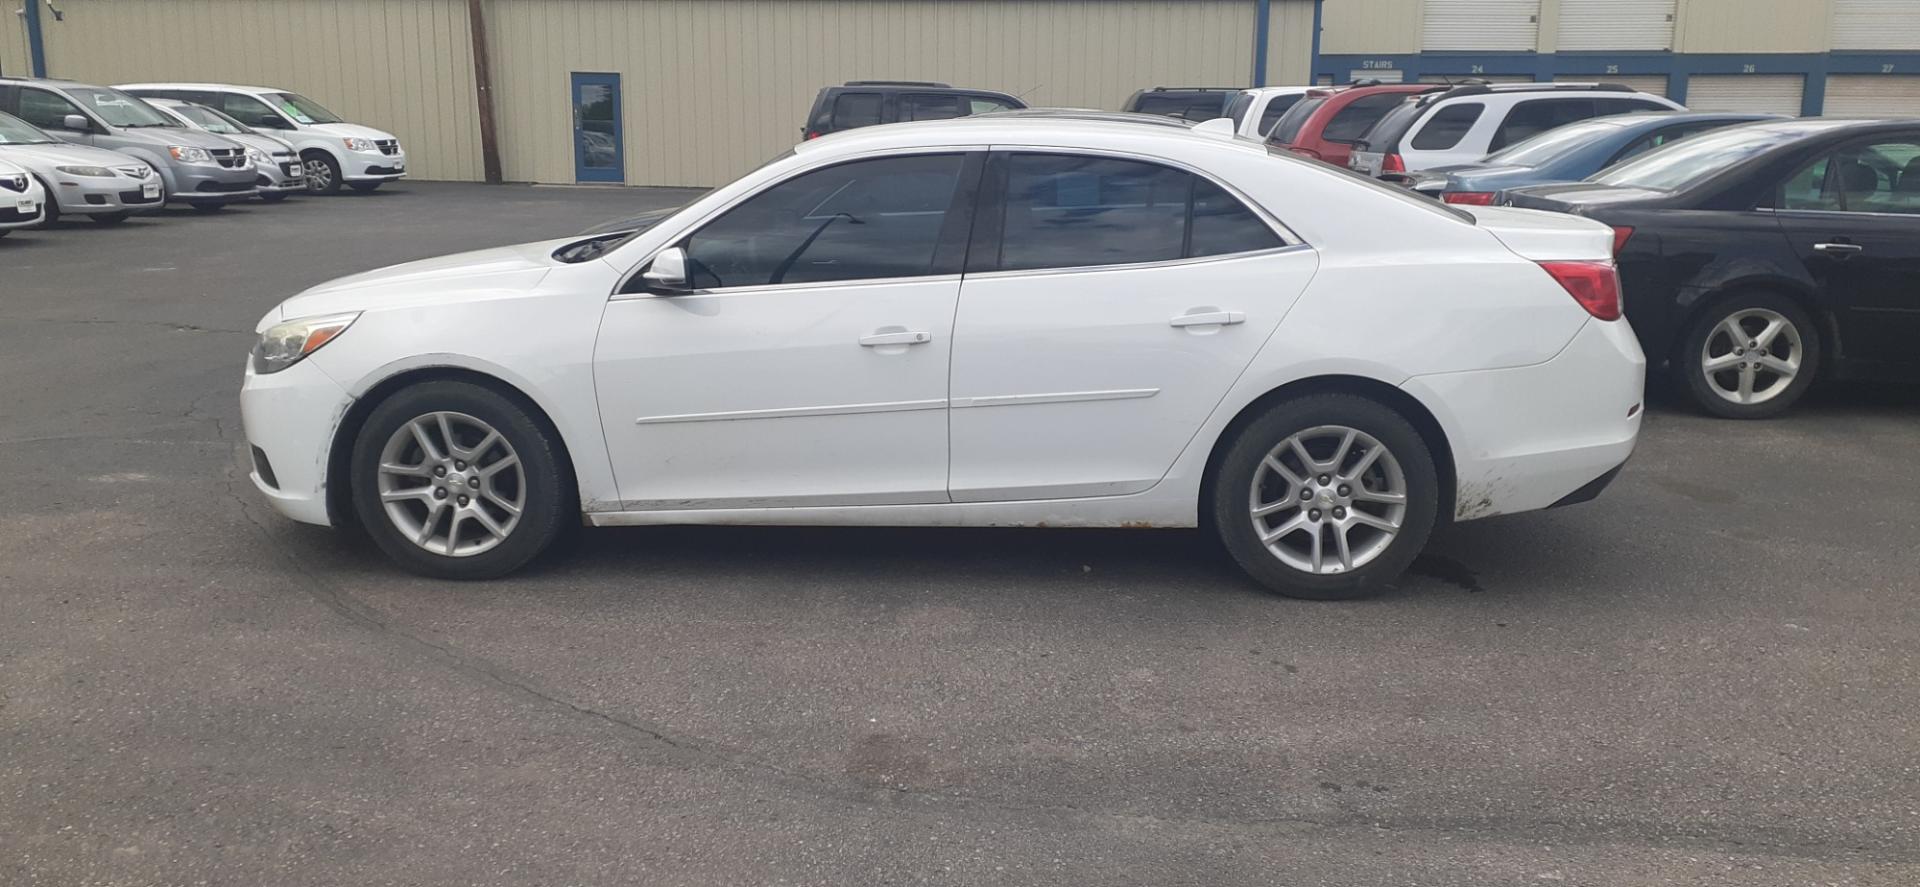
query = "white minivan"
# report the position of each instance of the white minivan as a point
(334, 151)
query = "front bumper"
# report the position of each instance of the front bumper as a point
(280, 176)
(1526, 438)
(289, 419)
(22, 209)
(364, 166)
(211, 184)
(76, 195)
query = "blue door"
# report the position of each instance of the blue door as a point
(597, 154)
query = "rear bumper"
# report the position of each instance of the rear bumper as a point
(1526, 438)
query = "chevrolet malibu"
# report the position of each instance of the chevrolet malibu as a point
(1031, 321)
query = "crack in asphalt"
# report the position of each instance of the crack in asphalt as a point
(864, 796)
(162, 324)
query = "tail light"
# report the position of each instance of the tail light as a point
(1621, 234)
(811, 135)
(1308, 153)
(1393, 163)
(1595, 285)
(1470, 198)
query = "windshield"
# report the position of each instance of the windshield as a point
(1680, 164)
(117, 108)
(209, 119)
(1550, 144)
(1288, 128)
(300, 108)
(14, 131)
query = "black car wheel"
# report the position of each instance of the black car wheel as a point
(1749, 356)
(1326, 497)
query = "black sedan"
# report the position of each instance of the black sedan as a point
(1757, 257)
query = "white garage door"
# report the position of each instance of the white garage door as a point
(1615, 24)
(1384, 75)
(1756, 93)
(1876, 24)
(1512, 25)
(1651, 84)
(1873, 95)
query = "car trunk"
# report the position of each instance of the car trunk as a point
(1545, 236)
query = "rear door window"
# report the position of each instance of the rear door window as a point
(1353, 121)
(926, 106)
(1276, 108)
(855, 109)
(1071, 211)
(250, 111)
(1447, 126)
(1530, 118)
(45, 109)
(986, 104)
(1287, 128)
(1238, 108)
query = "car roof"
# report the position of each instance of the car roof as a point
(1012, 129)
(1278, 90)
(1094, 114)
(234, 87)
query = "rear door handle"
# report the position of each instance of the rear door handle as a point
(1209, 318)
(908, 337)
(1839, 249)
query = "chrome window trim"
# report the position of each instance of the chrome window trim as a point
(1140, 266)
(790, 287)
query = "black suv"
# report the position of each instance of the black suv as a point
(868, 102)
(1196, 103)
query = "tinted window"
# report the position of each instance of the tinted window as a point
(1064, 211)
(1447, 126)
(1810, 189)
(1186, 105)
(1288, 127)
(1275, 110)
(44, 109)
(302, 109)
(1528, 119)
(1353, 121)
(856, 109)
(1237, 109)
(929, 107)
(250, 111)
(862, 220)
(1883, 177)
(980, 104)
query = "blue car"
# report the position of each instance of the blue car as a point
(1567, 154)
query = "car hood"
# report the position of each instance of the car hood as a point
(462, 277)
(638, 222)
(41, 158)
(350, 130)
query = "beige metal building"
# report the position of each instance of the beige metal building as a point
(709, 88)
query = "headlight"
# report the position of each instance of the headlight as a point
(189, 154)
(86, 172)
(284, 344)
(360, 144)
(257, 157)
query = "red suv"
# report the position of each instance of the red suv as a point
(1326, 123)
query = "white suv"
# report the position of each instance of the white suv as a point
(334, 151)
(1255, 111)
(1466, 123)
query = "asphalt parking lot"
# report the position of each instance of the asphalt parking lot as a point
(1708, 676)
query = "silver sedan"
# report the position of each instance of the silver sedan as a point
(106, 185)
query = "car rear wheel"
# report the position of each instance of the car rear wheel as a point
(323, 174)
(1326, 497)
(110, 218)
(1750, 356)
(455, 481)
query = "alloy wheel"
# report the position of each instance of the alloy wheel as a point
(1752, 356)
(319, 174)
(451, 484)
(1328, 500)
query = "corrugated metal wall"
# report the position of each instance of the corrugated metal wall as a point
(400, 65)
(1752, 26)
(1290, 43)
(714, 87)
(1370, 26)
(13, 43)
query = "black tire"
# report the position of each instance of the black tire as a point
(111, 218)
(1689, 364)
(274, 196)
(1232, 495)
(364, 187)
(550, 506)
(51, 216)
(323, 172)
(208, 207)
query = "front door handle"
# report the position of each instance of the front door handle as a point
(904, 337)
(1839, 250)
(1209, 318)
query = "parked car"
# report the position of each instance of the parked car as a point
(200, 169)
(1325, 124)
(1255, 111)
(1567, 154)
(938, 332)
(106, 186)
(21, 199)
(1466, 123)
(1762, 256)
(335, 152)
(278, 170)
(1195, 103)
(869, 102)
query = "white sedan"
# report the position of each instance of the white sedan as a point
(1042, 320)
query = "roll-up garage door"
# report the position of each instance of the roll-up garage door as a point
(1757, 93)
(1615, 24)
(1511, 25)
(1384, 75)
(1461, 78)
(1651, 84)
(1876, 24)
(1873, 95)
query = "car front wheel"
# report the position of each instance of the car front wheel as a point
(1326, 497)
(323, 173)
(454, 480)
(1750, 356)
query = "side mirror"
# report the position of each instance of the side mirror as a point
(76, 122)
(668, 273)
